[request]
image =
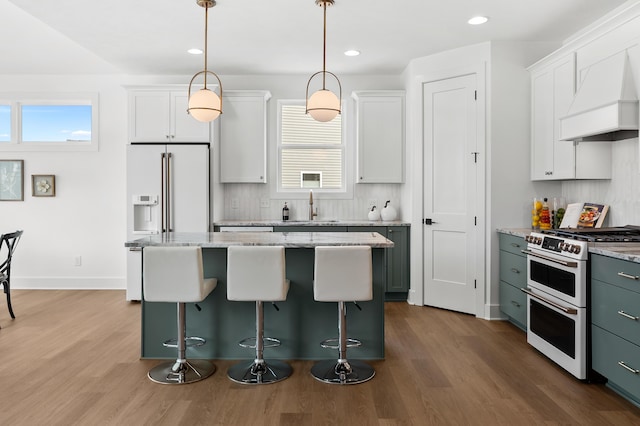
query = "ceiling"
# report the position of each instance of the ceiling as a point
(269, 37)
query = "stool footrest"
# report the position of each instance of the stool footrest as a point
(335, 343)
(189, 342)
(268, 342)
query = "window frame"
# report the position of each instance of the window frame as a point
(345, 192)
(16, 100)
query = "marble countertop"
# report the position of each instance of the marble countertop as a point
(310, 223)
(518, 232)
(286, 239)
(624, 251)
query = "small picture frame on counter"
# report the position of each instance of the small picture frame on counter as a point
(43, 185)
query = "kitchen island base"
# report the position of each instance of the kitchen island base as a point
(300, 322)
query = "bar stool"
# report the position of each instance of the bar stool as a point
(342, 273)
(175, 274)
(257, 273)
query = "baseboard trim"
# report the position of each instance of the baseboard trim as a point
(68, 283)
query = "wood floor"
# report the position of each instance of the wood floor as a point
(72, 357)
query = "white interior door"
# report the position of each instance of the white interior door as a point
(450, 155)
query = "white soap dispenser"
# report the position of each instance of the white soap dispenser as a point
(388, 212)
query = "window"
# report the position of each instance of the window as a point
(5, 123)
(49, 123)
(310, 154)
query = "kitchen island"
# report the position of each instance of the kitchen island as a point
(299, 322)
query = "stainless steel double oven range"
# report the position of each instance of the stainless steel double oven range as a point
(558, 293)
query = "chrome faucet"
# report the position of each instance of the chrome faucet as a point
(312, 214)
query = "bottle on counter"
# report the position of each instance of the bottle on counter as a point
(545, 216)
(285, 212)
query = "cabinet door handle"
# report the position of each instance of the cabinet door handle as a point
(631, 277)
(514, 303)
(514, 270)
(515, 245)
(391, 231)
(626, 315)
(626, 367)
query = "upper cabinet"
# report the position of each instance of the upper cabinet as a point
(380, 135)
(160, 115)
(243, 136)
(553, 84)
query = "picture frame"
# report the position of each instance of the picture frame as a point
(43, 185)
(11, 180)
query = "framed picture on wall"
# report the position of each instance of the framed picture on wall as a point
(11, 180)
(43, 185)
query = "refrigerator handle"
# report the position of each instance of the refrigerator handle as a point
(162, 192)
(168, 205)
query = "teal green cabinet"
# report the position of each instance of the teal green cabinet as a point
(615, 323)
(513, 277)
(396, 261)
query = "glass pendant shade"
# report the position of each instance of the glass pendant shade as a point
(323, 105)
(204, 105)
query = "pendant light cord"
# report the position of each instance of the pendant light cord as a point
(324, 46)
(206, 31)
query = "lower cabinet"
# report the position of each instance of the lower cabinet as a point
(397, 259)
(513, 277)
(615, 323)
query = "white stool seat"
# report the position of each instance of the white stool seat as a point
(342, 274)
(257, 273)
(176, 274)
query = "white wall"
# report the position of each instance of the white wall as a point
(86, 217)
(510, 190)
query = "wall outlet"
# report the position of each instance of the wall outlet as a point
(264, 203)
(77, 261)
(373, 202)
(235, 204)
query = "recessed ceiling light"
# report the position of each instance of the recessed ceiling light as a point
(477, 20)
(195, 51)
(352, 52)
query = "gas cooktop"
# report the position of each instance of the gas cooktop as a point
(622, 234)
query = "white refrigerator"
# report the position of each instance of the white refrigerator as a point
(167, 191)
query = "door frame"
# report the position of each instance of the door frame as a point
(416, 293)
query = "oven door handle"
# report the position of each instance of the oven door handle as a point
(570, 311)
(551, 259)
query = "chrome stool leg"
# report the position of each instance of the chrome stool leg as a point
(260, 371)
(343, 371)
(181, 370)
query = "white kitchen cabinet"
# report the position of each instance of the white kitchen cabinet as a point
(160, 115)
(243, 136)
(380, 135)
(553, 85)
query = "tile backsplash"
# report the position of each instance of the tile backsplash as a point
(244, 202)
(621, 193)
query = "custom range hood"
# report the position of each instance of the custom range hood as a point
(605, 107)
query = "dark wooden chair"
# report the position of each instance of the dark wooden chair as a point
(8, 243)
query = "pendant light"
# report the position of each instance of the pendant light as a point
(205, 105)
(324, 105)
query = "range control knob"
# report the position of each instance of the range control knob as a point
(538, 240)
(576, 249)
